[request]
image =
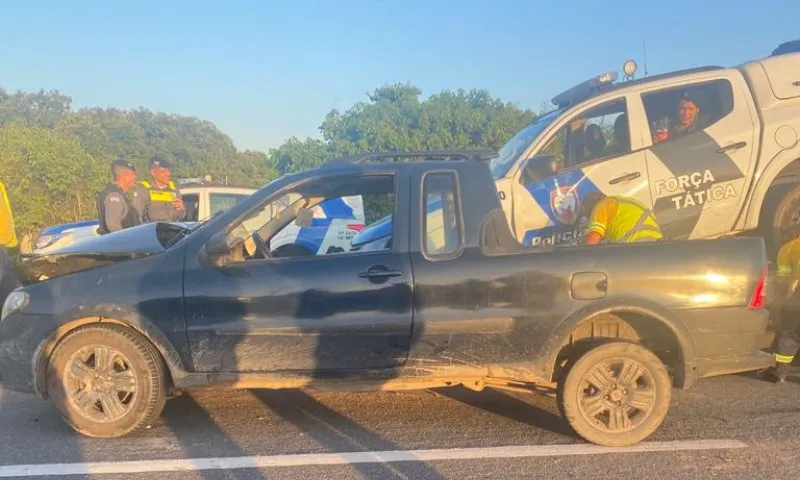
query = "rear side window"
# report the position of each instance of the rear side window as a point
(442, 223)
(223, 201)
(679, 111)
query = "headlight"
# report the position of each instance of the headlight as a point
(45, 241)
(16, 301)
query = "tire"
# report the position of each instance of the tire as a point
(73, 376)
(781, 211)
(597, 426)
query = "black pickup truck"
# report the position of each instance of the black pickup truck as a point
(109, 328)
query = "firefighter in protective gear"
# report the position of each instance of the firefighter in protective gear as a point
(616, 219)
(158, 199)
(8, 240)
(787, 279)
(114, 208)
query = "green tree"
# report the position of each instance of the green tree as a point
(50, 178)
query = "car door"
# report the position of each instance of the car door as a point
(698, 175)
(591, 152)
(335, 312)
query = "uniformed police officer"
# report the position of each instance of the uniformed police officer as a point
(114, 208)
(616, 219)
(157, 199)
(788, 305)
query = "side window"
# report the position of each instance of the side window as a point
(598, 133)
(192, 203)
(263, 232)
(442, 223)
(675, 112)
(223, 201)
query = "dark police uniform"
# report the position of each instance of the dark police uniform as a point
(114, 208)
(788, 338)
(154, 203)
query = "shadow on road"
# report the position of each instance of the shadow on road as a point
(499, 403)
(340, 434)
(199, 436)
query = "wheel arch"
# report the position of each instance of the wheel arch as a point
(653, 325)
(777, 173)
(168, 352)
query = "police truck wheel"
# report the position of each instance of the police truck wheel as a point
(786, 208)
(616, 394)
(107, 381)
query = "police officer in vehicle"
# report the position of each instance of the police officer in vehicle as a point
(158, 199)
(616, 219)
(114, 208)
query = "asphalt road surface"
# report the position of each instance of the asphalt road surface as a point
(737, 426)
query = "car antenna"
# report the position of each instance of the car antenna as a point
(644, 48)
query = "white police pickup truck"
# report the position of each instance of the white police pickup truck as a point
(713, 151)
(334, 222)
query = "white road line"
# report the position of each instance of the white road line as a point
(230, 463)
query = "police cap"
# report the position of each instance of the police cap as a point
(690, 96)
(159, 162)
(121, 163)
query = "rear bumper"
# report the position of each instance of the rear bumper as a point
(729, 340)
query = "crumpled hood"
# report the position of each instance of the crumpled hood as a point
(129, 244)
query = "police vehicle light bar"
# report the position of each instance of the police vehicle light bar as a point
(584, 90)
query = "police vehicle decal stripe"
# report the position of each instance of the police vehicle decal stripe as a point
(337, 208)
(574, 182)
(687, 159)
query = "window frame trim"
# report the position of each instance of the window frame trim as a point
(424, 217)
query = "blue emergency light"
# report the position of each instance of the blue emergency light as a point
(584, 90)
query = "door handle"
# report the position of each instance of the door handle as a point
(733, 146)
(625, 178)
(796, 83)
(380, 272)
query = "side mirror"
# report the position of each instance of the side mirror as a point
(304, 218)
(220, 243)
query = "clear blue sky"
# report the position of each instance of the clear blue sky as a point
(266, 70)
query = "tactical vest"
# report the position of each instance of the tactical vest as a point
(167, 195)
(130, 220)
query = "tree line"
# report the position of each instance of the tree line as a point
(53, 159)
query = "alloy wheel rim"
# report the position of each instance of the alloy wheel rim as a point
(617, 395)
(101, 383)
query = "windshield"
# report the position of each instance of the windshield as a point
(510, 152)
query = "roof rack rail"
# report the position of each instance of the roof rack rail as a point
(472, 155)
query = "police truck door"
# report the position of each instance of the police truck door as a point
(701, 160)
(589, 152)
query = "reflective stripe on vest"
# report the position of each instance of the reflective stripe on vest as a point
(639, 226)
(161, 195)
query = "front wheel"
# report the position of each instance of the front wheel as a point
(616, 394)
(107, 380)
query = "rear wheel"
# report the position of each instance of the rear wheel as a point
(616, 394)
(781, 212)
(107, 381)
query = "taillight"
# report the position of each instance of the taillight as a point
(759, 296)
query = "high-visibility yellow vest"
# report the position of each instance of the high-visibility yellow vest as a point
(8, 234)
(161, 195)
(624, 220)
